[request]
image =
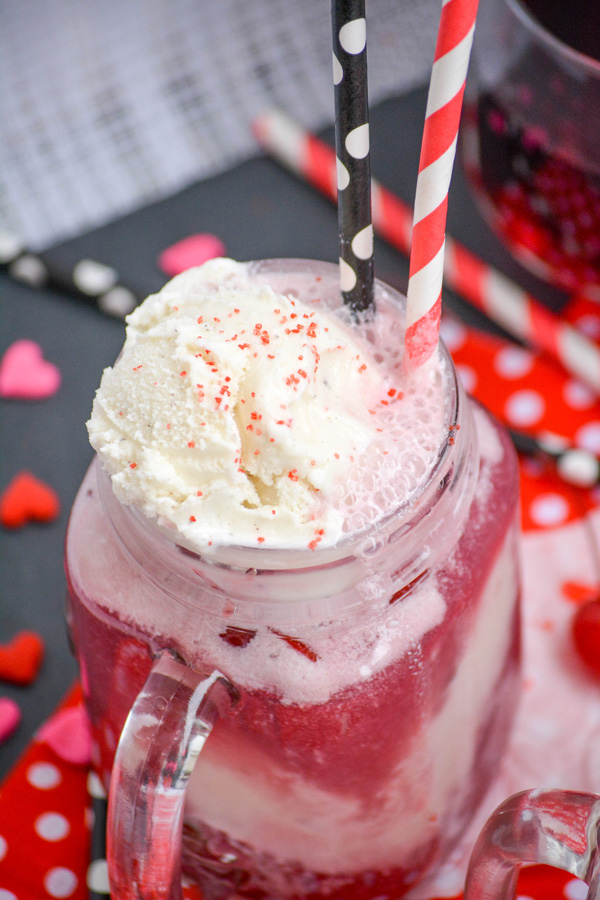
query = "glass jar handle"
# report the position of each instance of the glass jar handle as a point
(557, 828)
(165, 731)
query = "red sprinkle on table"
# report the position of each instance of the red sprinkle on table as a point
(21, 658)
(26, 499)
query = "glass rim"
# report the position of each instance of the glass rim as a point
(544, 36)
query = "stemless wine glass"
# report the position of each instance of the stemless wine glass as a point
(530, 141)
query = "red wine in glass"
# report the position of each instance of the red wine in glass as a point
(576, 23)
(532, 139)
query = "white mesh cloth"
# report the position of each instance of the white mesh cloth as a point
(106, 105)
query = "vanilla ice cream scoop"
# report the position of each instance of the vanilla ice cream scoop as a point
(234, 413)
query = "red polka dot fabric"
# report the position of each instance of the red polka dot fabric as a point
(47, 816)
(45, 825)
(47, 801)
(533, 394)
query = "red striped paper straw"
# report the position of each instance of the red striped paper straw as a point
(438, 149)
(521, 314)
(500, 298)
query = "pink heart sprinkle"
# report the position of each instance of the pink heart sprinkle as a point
(68, 734)
(24, 373)
(191, 251)
(10, 717)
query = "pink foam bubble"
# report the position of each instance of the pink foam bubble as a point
(191, 251)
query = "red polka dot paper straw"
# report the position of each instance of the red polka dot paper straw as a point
(353, 158)
(500, 298)
(438, 148)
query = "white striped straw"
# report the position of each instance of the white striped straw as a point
(438, 148)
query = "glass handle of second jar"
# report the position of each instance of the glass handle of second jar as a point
(552, 827)
(165, 731)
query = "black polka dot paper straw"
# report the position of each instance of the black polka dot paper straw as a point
(352, 149)
(575, 465)
(97, 873)
(88, 280)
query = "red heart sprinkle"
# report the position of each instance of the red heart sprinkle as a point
(27, 499)
(21, 658)
(25, 374)
(10, 717)
(578, 591)
(191, 251)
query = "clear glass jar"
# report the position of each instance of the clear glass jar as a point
(373, 683)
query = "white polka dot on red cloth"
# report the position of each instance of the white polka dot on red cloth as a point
(52, 826)
(97, 877)
(3, 847)
(524, 408)
(513, 362)
(575, 889)
(7, 895)
(589, 324)
(44, 776)
(549, 509)
(60, 882)
(588, 437)
(453, 333)
(468, 376)
(578, 395)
